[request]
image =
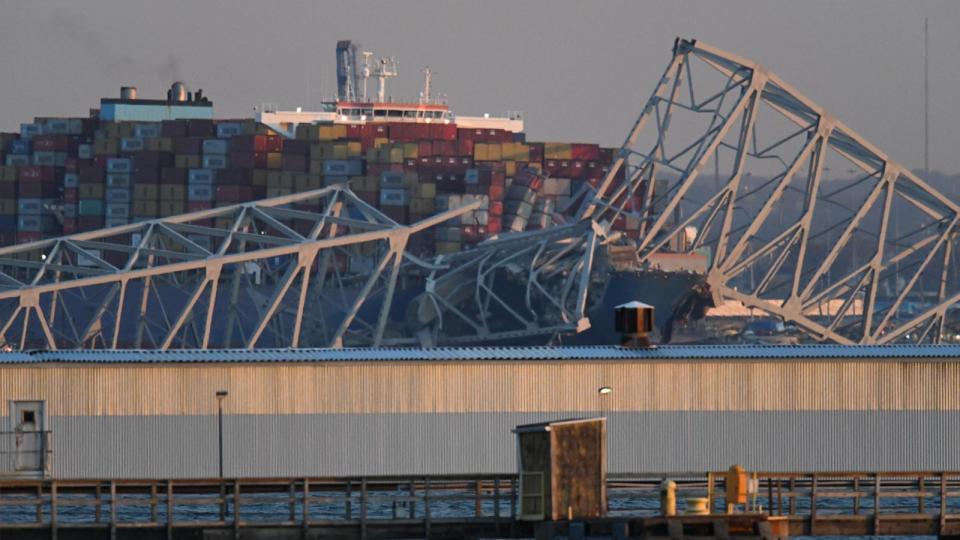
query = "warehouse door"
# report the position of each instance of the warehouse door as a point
(28, 431)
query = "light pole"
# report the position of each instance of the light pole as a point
(602, 391)
(220, 395)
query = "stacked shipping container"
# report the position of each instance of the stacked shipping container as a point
(65, 175)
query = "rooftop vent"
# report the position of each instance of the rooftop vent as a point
(634, 320)
(128, 92)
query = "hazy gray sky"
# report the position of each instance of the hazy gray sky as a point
(579, 71)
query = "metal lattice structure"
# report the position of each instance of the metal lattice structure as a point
(730, 156)
(272, 273)
(798, 215)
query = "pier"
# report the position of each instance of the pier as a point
(782, 505)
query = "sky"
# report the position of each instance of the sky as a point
(578, 71)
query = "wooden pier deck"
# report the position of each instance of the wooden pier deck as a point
(786, 504)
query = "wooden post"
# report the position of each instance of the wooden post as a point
(769, 495)
(477, 504)
(153, 502)
(305, 525)
(292, 501)
(856, 499)
(38, 509)
(113, 510)
(236, 509)
(363, 508)
(813, 505)
(793, 495)
(943, 502)
(876, 504)
(170, 510)
(53, 509)
(426, 508)
(97, 506)
(496, 501)
(921, 504)
(710, 486)
(223, 501)
(779, 497)
(349, 507)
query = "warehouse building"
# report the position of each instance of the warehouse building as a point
(325, 412)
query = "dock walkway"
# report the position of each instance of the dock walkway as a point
(786, 504)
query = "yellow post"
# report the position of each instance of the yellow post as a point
(668, 498)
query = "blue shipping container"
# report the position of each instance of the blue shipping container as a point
(18, 146)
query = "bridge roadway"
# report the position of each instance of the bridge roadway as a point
(786, 504)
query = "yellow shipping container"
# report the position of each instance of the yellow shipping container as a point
(325, 133)
(105, 146)
(555, 150)
(172, 208)
(422, 206)
(380, 141)
(145, 191)
(511, 167)
(274, 160)
(259, 177)
(427, 190)
(396, 155)
(494, 152)
(303, 132)
(410, 151)
(8, 173)
(278, 191)
(339, 131)
(144, 208)
(90, 191)
(340, 151)
(169, 192)
(446, 248)
(354, 149)
(8, 207)
(480, 152)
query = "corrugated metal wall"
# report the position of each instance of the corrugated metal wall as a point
(127, 420)
(394, 387)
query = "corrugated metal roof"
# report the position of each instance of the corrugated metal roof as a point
(458, 354)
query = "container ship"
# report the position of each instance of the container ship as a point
(135, 159)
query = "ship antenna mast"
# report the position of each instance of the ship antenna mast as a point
(425, 95)
(386, 68)
(365, 71)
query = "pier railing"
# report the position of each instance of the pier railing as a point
(811, 503)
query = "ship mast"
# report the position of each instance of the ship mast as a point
(425, 95)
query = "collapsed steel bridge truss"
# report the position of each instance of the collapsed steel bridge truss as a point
(272, 273)
(802, 217)
(799, 217)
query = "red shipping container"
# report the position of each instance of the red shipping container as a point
(496, 192)
(51, 143)
(274, 143)
(39, 173)
(381, 130)
(536, 152)
(89, 223)
(24, 237)
(296, 146)
(228, 193)
(147, 176)
(585, 152)
(496, 208)
(494, 226)
(70, 195)
(71, 164)
(173, 176)
(173, 128)
(101, 161)
(241, 177)
(91, 174)
(426, 148)
(192, 146)
(248, 143)
(200, 128)
(198, 206)
(465, 147)
(36, 189)
(354, 131)
(294, 162)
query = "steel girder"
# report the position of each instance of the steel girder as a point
(729, 159)
(271, 273)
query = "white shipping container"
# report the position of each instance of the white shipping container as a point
(70, 180)
(131, 144)
(85, 151)
(201, 176)
(229, 129)
(215, 146)
(115, 210)
(149, 130)
(117, 195)
(118, 180)
(393, 197)
(215, 162)
(121, 165)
